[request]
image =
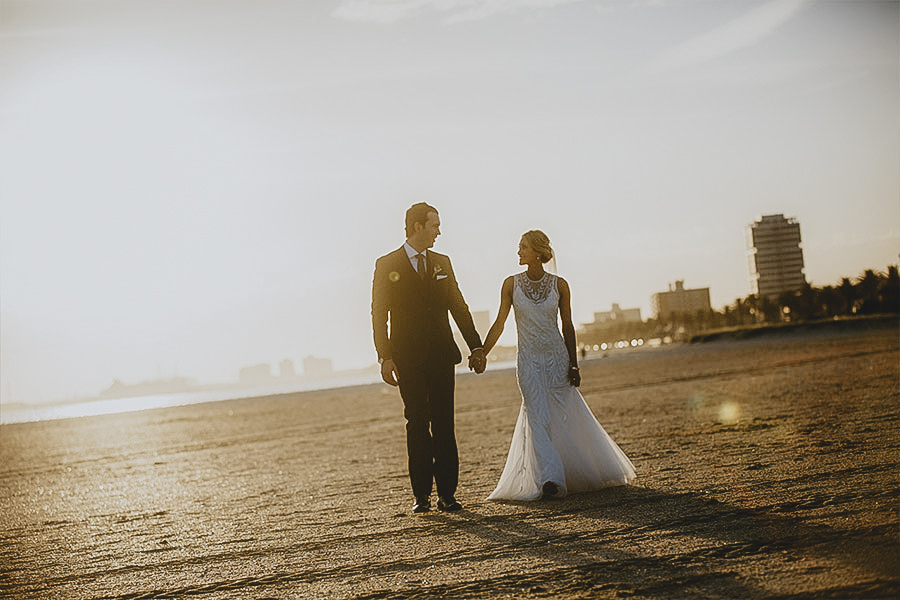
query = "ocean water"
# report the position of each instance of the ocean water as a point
(24, 413)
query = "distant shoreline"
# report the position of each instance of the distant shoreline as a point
(842, 324)
(22, 413)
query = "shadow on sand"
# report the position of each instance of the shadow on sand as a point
(646, 543)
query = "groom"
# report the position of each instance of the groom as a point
(415, 289)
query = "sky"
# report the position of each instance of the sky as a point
(191, 188)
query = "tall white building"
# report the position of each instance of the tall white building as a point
(775, 256)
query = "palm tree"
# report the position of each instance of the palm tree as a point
(830, 301)
(847, 293)
(867, 286)
(889, 291)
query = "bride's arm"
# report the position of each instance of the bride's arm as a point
(505, 303)
(568, 330)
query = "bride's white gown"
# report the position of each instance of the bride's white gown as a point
(557, 438)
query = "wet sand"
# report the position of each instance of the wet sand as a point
(767, 468)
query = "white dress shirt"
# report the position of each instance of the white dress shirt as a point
(411, 253)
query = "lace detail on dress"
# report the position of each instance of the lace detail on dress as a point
(536, 291)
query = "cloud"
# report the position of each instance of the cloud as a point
(390, 11)
(742, 32)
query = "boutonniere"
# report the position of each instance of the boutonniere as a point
(439, 273)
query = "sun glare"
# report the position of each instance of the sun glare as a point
(729, 412)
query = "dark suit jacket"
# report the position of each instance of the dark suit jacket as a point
(417, 311)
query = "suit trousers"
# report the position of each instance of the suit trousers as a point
(427, 394)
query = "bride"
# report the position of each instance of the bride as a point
(558, 447)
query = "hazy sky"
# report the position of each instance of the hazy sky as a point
(190, 188)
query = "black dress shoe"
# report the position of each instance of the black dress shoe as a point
(550, 491)
(422, 505)
(448, 504)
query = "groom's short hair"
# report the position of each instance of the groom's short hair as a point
(417, 213)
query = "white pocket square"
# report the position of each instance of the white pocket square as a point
(439, 277)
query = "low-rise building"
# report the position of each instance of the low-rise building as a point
(618, 315)
(680, 301)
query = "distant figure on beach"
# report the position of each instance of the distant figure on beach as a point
(558, 447)
(414, 289)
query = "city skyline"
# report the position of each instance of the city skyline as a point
(320, 368)
(198, 188)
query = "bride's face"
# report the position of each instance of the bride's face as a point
(527, 255)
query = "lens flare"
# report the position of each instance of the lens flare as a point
(696, 401)
(729, 412)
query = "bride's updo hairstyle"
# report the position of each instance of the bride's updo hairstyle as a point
(540, 243)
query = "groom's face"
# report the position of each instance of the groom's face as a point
(428, 232)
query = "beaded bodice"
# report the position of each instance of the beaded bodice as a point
(536, 291)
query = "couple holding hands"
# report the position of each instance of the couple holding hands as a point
(557, 447)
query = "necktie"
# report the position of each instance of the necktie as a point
(420, 265)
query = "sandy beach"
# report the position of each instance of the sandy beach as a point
(767, 468)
